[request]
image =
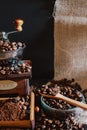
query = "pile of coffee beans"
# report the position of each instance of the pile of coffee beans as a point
(46, 123)
(15, 109)
(13, 66)
(7, 46)
(65, 87)
(68, 88)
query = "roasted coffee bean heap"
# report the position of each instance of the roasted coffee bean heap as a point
(7, 46)
(15, 109)
(46, 123)
(13, 66)
(65, 87)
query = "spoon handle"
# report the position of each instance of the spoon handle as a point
(72, 101)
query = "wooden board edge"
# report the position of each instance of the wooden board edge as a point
(32, 110)
(16, 124)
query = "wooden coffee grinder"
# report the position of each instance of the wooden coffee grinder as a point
(21, 78)
(15, 75)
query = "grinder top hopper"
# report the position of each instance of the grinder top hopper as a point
(11, 49)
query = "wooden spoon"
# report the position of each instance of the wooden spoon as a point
(68, 100)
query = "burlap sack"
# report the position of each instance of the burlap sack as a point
(70, 40)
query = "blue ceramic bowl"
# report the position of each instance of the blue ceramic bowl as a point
(58, 113)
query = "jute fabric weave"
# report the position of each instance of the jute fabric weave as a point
(70, 40)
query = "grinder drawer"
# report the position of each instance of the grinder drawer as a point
(17, 123)
(22, 88)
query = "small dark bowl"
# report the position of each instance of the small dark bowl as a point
(58, 113)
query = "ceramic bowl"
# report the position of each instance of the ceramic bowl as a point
(58, 113)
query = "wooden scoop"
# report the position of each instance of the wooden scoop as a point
(68, 100)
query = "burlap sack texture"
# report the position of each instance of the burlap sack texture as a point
(70, 40)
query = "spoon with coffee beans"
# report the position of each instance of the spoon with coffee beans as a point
(68, 100)
(62, 97)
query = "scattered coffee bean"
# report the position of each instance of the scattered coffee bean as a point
(47, 123)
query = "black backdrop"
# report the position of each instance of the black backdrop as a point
(37, 32)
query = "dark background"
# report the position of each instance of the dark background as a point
(37, 32)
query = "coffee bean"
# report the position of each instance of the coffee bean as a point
(43, 126)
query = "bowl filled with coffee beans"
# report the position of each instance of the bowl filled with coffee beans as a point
(56, 107)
